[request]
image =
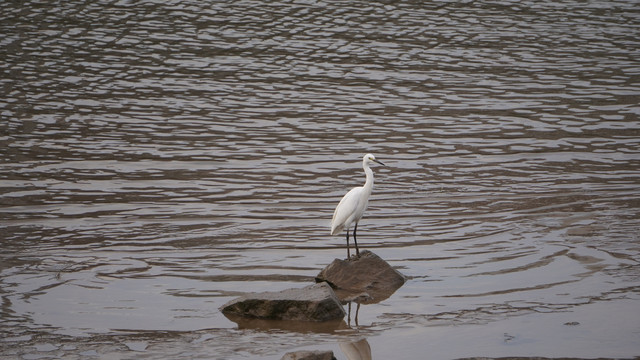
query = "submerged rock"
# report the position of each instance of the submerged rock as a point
(309, 355)
(364, 279)
(316, 302)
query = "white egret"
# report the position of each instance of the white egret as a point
(353, 204)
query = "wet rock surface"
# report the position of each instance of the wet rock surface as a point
(365, 279)
(316, 302)
(309, 355)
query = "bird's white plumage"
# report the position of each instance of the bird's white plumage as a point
(354, 203)
(350, 208)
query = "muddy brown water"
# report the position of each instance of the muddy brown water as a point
(159, 158)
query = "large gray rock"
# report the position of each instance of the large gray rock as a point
(366, 279)
(309, 355)
(316, 302)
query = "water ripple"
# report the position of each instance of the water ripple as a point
(195, 151)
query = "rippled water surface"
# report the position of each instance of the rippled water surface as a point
(161, 158)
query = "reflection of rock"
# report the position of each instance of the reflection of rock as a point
(327, 327)
(309, 355)
(316, 302)
(366, 279)
(358, 350)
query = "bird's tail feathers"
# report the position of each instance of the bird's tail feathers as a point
(337, 229)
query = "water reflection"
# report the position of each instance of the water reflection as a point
(161, 158)
(356, 350)
(357, 311)
(326, 327)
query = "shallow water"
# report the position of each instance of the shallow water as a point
(162, 158)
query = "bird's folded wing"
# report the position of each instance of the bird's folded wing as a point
(346, 208)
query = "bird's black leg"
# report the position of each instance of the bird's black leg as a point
(356, 241)
(348, 252)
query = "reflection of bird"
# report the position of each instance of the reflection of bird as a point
(353, 204)
(358, 350)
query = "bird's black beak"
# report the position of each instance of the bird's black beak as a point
(379, 162)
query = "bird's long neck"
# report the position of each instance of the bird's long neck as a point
(368, 184)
